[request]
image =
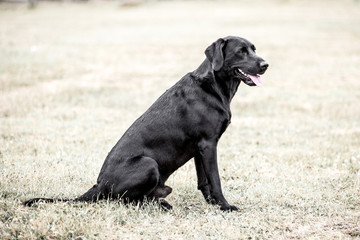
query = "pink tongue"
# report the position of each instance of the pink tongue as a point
(255, 79)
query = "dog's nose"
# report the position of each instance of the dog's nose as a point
(264, 65)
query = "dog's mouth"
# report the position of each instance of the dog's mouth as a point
(249, 79)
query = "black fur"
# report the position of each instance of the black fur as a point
(186, 122)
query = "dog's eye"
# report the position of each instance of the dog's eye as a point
(244, 51)
(253, 48)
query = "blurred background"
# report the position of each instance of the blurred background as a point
(75, 74)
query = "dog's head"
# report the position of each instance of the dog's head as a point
(237, 58)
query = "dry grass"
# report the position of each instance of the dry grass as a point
(73, 77)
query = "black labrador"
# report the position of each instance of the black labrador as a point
(186, 122)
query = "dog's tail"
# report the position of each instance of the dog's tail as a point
(30, 202)
(92, 195)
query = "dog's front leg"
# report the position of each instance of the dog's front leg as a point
(203, 184)
(208, 158)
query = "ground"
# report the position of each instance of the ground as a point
(74, 76)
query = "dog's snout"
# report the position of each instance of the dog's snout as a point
(263, 66)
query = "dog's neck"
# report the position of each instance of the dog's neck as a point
(219, 83)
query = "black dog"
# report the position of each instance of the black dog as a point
(186, 121)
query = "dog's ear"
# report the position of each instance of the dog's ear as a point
(214, 54)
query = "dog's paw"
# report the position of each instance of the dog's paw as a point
(211, 200)
(229, 208)
(165, 205)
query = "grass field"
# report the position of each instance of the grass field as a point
(74, 76)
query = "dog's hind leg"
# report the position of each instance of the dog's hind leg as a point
(131, 180)
(161, 192)
(139, 178)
